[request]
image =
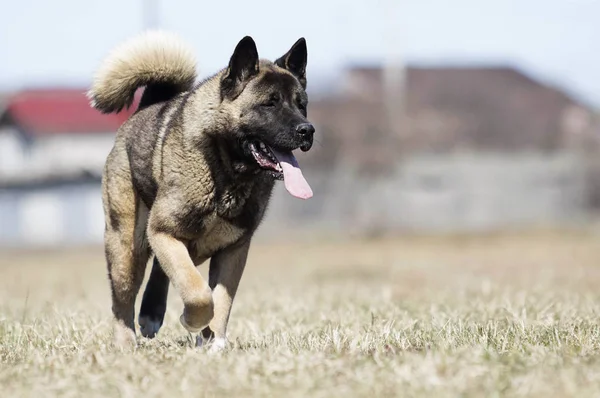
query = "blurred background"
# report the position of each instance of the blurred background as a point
(433, 117)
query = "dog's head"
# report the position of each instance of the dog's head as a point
(267, 102)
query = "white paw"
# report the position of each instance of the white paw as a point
(218, 344)
(148, 326)
(124, 337)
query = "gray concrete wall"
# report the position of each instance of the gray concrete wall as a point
(441, 193)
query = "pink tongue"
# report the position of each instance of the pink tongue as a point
(294, 181)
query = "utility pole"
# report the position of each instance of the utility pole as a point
(394, 73)
(150, 10)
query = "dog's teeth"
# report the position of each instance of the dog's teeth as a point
(262, 146)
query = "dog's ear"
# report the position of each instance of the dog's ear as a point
(243, 66)
(295, 60)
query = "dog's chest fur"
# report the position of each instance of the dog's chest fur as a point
(220, 217)
(217, 234)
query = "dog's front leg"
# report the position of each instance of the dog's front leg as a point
(226, 269)
(173, 256)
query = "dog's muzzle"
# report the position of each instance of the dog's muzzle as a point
(305, 132)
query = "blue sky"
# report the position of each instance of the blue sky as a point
(63, 41)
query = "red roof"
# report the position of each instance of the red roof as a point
(56, 111)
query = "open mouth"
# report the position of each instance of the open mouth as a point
(265, 157)
(281, 165)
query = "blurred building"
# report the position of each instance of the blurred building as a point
(454, 109)
(52, 150)
(464, 149)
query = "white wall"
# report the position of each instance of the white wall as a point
(53, 155)
(12, 157)
(52, 216)
(71, 151)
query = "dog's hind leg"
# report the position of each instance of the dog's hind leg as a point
(126, 252)
(154, 302)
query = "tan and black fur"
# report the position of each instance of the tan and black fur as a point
(180, 182)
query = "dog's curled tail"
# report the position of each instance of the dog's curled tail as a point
(159, 60)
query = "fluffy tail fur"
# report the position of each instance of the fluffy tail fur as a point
(156, 59)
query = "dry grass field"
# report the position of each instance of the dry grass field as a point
(504, 315)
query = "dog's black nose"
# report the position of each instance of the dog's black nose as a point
(305, 129)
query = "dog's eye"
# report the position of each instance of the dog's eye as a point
(302, 107)
(273, 100)
(301, 103)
